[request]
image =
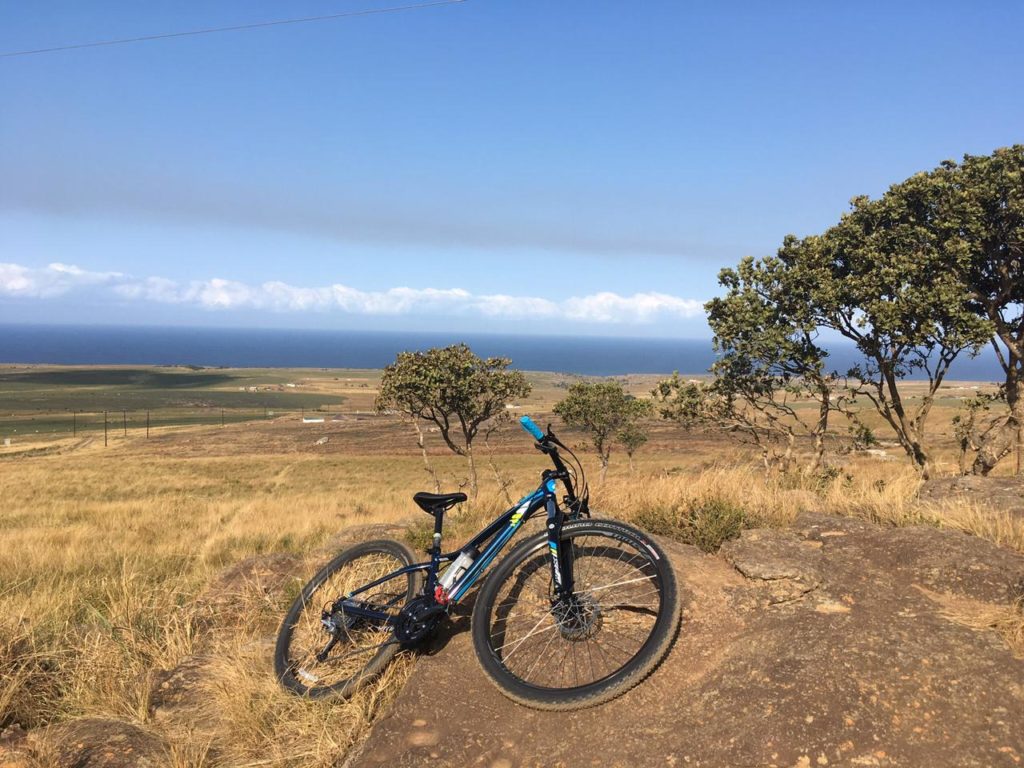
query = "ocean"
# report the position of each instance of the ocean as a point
(275, 348)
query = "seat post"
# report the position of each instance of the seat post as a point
(438, 518)
(435, 554)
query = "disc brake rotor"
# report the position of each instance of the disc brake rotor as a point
(578, 618)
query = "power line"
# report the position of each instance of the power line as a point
(236, 28)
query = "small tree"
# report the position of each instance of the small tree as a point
(760, 418)
(454, 389)
(632, 436)
(973, 425)
(603, 410)
(684, 402)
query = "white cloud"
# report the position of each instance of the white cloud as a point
(215, 294)
(16, 280)
(606, 307)
(150, 289)
(223, 294)
(516, 306)
(53, 280)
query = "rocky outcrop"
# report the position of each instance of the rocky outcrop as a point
(826, 644)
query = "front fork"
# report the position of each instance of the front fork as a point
(560, 551)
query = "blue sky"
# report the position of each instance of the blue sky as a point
(490, 165)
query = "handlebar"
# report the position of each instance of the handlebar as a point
(548, 444)
(528, 424)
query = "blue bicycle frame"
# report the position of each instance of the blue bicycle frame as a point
(495, 536)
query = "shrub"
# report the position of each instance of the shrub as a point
(706, 523)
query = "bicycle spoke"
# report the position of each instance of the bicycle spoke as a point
(528, 635)
(589, 636)
(617, 584)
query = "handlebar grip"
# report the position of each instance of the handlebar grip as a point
(533, 429)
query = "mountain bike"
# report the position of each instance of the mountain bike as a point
(571, 617)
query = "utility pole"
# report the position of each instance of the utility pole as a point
(74, 423)
(124, 421)
(147, 425)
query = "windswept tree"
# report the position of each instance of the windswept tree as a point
(604, 410)
(889, 278)
(986, 215)
(755, 410)
(884, 278)
(770, 363)
(455, 390)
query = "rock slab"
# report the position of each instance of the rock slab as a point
(824, 644)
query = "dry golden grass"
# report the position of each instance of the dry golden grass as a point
(1008, 621)
(104, 556)
(102, 560)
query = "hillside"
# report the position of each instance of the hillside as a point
(859, 620)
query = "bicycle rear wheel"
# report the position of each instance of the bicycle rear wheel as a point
(551, 653)
(336, 658)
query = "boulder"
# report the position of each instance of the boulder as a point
(357, 534)
(14, 747)
(178, 694)
(787, 566)
(267, 577)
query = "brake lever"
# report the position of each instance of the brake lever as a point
(554, 438)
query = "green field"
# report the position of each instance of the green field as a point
(39, 403)
(50, 402)
(46, 401)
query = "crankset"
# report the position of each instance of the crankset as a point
(417, 620)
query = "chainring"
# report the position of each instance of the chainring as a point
(417, 620)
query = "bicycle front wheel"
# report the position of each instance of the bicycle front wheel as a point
(568, 653)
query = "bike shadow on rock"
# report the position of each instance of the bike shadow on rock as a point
(450, 627)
